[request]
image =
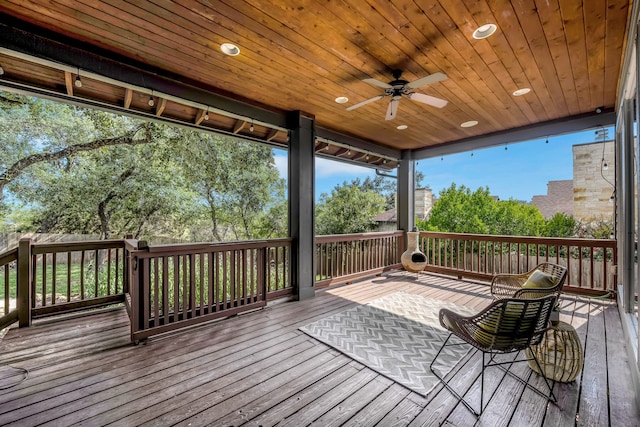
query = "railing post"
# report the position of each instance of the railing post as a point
(25, 275)
(262, 273)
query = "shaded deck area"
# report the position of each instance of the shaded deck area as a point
(257, 369)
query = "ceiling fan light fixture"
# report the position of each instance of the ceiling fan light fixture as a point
(230, 49)
(401, 127)
(520, 92)
(469, 124)
(342, 100)
(484, 31)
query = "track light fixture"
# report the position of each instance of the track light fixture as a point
(151, 101)
(206, 115)
(251, 127)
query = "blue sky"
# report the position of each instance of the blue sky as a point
(519, 172)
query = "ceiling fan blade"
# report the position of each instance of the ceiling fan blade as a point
(360, 104)
(427, 99)
(435, 77)
(392, 110)
(378, 83)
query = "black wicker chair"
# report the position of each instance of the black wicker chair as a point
(515, 285)
(505, 326)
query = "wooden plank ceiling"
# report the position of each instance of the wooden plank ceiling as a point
(303, 54)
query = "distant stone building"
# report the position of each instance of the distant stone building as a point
(559, 198)
(588, 197)
(593, 182)
(387, 221)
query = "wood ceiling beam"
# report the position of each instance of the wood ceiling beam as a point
(550, 128)
(128, 96)
(68, 83)
(356, 143)
(162, 104)
(240, 124)
(272, 134)
(23, 37)
(200, 117)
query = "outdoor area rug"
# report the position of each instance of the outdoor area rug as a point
(397, 336)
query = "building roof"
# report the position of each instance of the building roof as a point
(559, 198)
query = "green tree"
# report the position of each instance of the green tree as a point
(513, 218)
(243, 195)
(560, 225)
(349, 209)
(87, 171)
(459, 210)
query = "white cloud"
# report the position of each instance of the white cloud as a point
(328, 168)
(325, 168)
(282, 164)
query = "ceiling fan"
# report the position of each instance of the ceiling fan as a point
(397, 88)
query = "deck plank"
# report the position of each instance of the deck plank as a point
(593, 407)
(624, 411)
(258, 369)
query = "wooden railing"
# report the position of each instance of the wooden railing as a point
(344, 258)
(174, 286)
(171, 286)
(40, 279)
(9, 281)
(590, 262)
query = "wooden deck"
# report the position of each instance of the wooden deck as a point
(259, 370)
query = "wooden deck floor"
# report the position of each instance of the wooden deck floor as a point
(259, 370)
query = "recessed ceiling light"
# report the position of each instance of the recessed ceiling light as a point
(402, 127)
(484, 31)
(342, 100)
(229, 49)
(469, 124)
(520, 92)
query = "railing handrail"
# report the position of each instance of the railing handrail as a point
(41, 248)
(184, 248)
(330, 238)
(606, 243)
(8, 256)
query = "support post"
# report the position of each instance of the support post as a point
(406, 193)
(301, 203)
(628, 211)
(25, 275)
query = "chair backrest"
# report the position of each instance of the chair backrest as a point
(508, 325)
(557, 272)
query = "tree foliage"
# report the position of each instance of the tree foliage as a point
(349, 209)
(459, 210)
(561, 225)
(85, 171)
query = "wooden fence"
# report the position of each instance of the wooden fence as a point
(590, 262)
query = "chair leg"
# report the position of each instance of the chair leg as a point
(448, 387)
(550, 396)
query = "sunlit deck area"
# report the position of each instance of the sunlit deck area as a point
(259, 369)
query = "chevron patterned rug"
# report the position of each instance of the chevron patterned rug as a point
(397, 336)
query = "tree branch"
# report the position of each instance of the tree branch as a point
(18, 167)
